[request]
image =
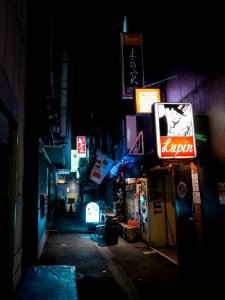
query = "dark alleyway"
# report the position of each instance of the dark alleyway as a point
(121, 271)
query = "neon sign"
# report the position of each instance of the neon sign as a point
(81, 146)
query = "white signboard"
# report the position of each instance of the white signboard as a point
(174, 130)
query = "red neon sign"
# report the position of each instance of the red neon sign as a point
(81, 146)
(177, 147)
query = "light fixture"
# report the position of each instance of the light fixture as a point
(61, 179)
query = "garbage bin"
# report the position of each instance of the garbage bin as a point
(111, 232)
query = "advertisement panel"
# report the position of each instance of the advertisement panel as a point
(174, 130)
(101, 167)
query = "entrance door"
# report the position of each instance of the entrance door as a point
(184, 215)
(162, 211)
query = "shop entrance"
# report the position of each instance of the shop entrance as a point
(162, 210)
(171, 213)
(186, 235)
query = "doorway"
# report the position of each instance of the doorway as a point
(185, 219)
(162, 210)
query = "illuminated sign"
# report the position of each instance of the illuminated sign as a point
(74, 161)
(92, 212)
(145, 98)
(81, 146)
(174, 130)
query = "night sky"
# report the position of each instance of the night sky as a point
(172, 34)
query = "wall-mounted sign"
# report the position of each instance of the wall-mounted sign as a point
(81, 146)
(132, 64)
(174, 130)
(145, 98)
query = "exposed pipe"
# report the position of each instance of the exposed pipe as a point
(64, 74)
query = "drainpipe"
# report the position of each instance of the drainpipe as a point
(64, 74)
(65, 120)
(166, 218)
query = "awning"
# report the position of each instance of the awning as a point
(56, 154)
(129, 166)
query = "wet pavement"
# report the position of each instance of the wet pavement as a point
(125, 270)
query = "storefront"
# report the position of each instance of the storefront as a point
(137, 202)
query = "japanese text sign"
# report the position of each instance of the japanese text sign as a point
(81, 146)
(132, 64)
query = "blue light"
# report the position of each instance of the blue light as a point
(126, 162)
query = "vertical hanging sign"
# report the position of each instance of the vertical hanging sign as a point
(132, 64)
(81, 146)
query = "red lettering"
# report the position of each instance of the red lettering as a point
(177, 147)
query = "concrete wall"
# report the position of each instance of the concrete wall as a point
(13, 20)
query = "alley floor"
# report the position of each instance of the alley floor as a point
(120, 271)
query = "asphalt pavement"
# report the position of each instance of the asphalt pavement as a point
(125, 270)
